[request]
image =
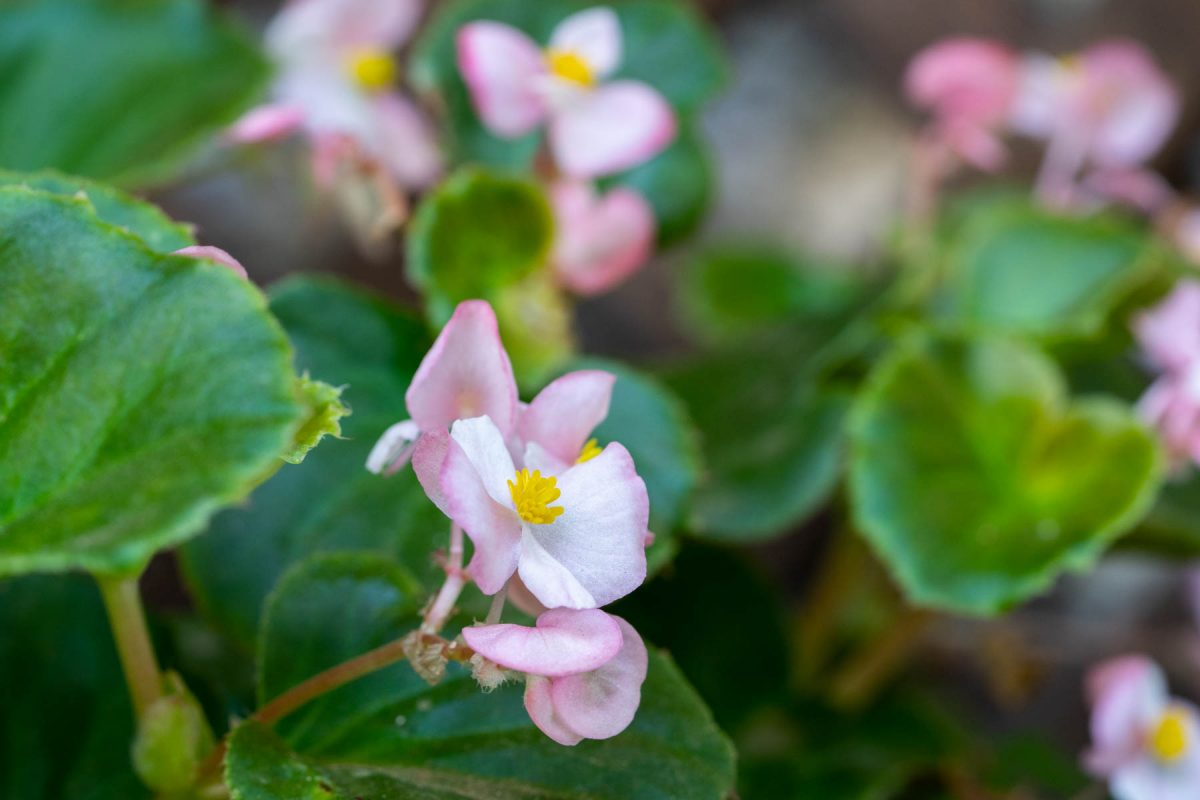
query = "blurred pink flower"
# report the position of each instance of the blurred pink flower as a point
(969, 86)
(1185, 231)
(584, 670)
(599, 241)
(336, 80)
(1144, 742)
(1169, 337)
(465, 374)
(214, 254)
(575, 539)
(594, 127)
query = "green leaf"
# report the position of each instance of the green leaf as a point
(118, 90)
(143, 220)
(654, 427)
(1015, 268)
(977, 481)
(330, 502)
(67, 723)
(138, 392)
(405, 739)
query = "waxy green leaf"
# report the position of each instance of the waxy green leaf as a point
(978, 482)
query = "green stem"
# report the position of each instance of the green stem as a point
(128, 620)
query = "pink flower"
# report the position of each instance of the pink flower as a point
(466, 373)
(1145, 743)
(969, 85)
(335, 80)
(553, 432)
(584, 670)
(575, 538)
(1169, 336)
(594, 127)
(599, 241)
(214, 254)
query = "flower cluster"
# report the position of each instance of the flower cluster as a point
(1144, 742)
(594, 127)
(558, 523)
(1169, 336)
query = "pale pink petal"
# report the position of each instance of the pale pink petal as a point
(1141, 189)
(964, 80)
(599, 242)
(1133, 104)
(394, 448)
(601, 703)
(594, 35)
(539, 458)
(214, 254)
(406, 144)
(465, 374)
(428, 458)
(265, 123)
(1042, 92)
(341, 25)
(599, 537)
(1127, 694)
(501, 67)
(614, 127)
(540, 707)
(974, 144)
(564, 642)
(549, 579)
(1169, 332)
(1187, 234)
(1146, 778)
(483, 445)
(563, 415)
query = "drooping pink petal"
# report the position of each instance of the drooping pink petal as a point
(540, 706)
(394, 448)
(564, 642)
(501, 67)
(1132, 104)
(964, 80)
(1127, 695)
(1172, 407)
(406, 142)
(594, 35)
(563, 415)
(214, 254)
(599, 242)
(428, 458)
(265, 123)
(1169, 333)
(601, 703)
(599, 537)
(341, 25)
(611, 128)
(465, 374)
(551, 582)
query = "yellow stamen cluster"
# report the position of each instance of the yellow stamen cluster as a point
(589, 451)
(570, 66)
(373, 70)
(1169, 737)
(532, 495)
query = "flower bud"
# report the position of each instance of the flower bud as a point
(173, 738)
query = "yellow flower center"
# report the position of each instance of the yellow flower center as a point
(373, 69)
(570, 66)
(532, 495)
(589, 451)
(1169, 738)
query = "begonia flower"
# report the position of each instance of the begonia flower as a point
(584, 670)
(1169, 337)
(214, 254)
(969, 86)
(466, 373)
(575, 538)
(554, 431)
(336, 82)
(1144, 742)
(595, 127)
(599, 240)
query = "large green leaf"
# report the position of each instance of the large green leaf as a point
(117, 90)
(978, 482)
(67, 723)
(138, 392)
(331, 501)
(396, 737)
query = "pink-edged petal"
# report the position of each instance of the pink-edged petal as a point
(540, 707)
(394, 448)
(465, 374)
(549, 579)
(502, 67)
(614, 127)
(1127, 695)
(564, 414)
(564, 642)
(601, 703)
(406, 143)
(265, 123)
(428, 458)
(599, 242)
(594, 35)
(214, 254)
(520, 596)
(341, 25)
(483, 445)
(599, 538)
(1132, 103)
(964, 79)
(1169, 333)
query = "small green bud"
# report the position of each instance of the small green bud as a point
(173, 739)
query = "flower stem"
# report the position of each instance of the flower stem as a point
(136, 653)
(447, 596)
(497, 607)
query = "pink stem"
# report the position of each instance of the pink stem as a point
(456, 579)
